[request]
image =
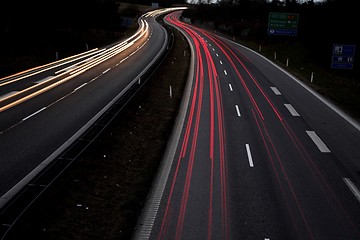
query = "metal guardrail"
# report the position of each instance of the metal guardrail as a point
(13, 210)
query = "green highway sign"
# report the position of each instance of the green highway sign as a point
(283, 23)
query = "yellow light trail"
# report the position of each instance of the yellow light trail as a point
(97, 57)
(102, 57)
(10, 79)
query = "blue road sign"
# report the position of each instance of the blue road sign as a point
(343, 56)
(342, 65)
(288, 32)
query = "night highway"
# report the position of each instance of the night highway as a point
(45, 109)
(255, 154)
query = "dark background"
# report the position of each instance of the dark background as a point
(321, 24)
(35, 32)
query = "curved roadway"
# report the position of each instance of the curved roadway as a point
(43, 110)
(257, 155)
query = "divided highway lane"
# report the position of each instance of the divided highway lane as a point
(251, 160)
(44, 110)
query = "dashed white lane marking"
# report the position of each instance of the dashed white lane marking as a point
(80, 87)
(8, 94)
(225, 72)
(276, 91)
(292, 110)
(231, 89)
(319, 143)
(124, 59)
(251, 163)
(44, 79)
(24, 119)
(106, 70)
(352, 188)
(221, 62)
(237, 110)
(217, 55)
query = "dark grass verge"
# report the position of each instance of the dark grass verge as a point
(337, 85)
(101, 195)
(340, 86)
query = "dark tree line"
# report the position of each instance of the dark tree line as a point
(37, 15)
(37, 19)
(35, 31)
(27, 15)
(25, 25)
(321, 24)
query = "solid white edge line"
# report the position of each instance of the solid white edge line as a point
(352, 188)
(318, 142)
(292, 110)
(251, 163)
(340, 112)
(276, 91)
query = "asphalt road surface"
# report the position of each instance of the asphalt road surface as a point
(256, 154)
(43, 110)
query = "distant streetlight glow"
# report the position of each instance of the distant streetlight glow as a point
(202, 1)
(216, 1)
